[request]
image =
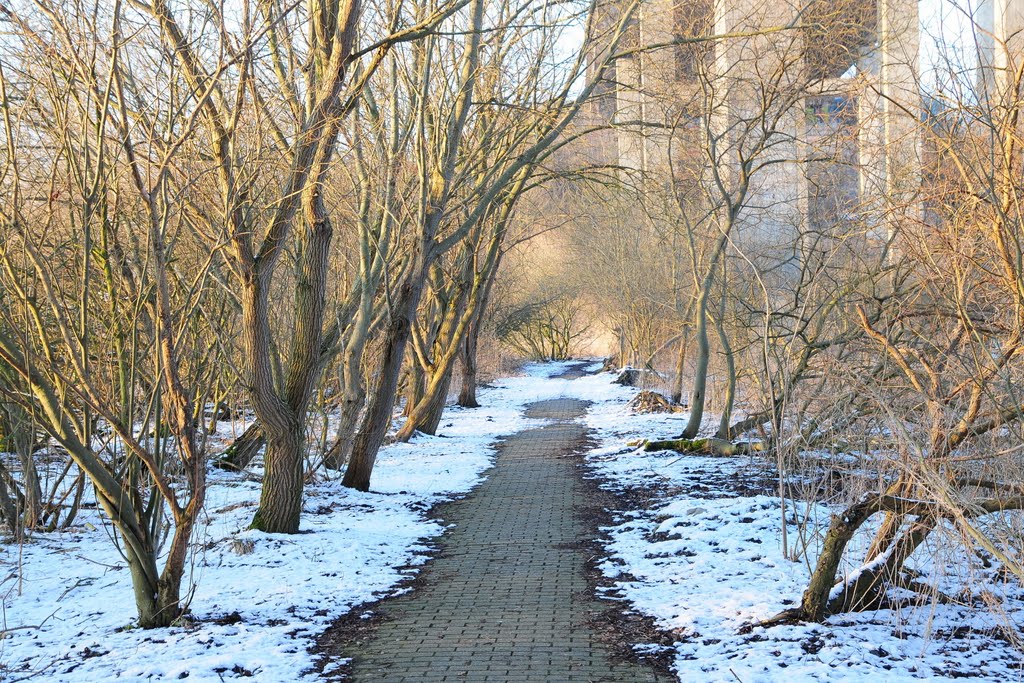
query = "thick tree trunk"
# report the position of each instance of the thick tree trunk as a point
(814, 604)
(281, 495)
(427, 415)
(467, 362)
(142, 568)
(159, 605)
(284, 416)
(416, 389)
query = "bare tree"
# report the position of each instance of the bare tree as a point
(945, 356)
(318, 99)
(437, 188)
(65, 266)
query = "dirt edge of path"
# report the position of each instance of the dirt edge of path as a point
(619, 630)
(620, 627)
(358, 625)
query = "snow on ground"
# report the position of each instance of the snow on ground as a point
(704, 558)
(259, 600)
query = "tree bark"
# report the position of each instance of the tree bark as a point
(814, 604)
(341, 449)
(677, 383)
(10, 505)
(467, 362)
(416, 388)
(142, 568)
(242, 450)
(281, 499)
(377, 418)
(281, 496)
(724, 430)
(700, 375)
(433, 408)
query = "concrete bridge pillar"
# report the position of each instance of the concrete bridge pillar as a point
(758, 116)
(889, 119)
(899, 36)
(630, 114)
(645, 88)
(1000, 30)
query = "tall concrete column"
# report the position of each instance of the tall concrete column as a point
(658, 80)
(900, 28)
(889, 112)
(1000, 30)
(645, 83)
(629, 114)
(758, 116)
(871, 141)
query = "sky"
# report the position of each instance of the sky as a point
(946, 31)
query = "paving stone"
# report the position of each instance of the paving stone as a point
(507, 600)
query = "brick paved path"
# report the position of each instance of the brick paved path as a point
(507, 601)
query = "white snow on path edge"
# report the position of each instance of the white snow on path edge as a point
(704, 561)
(259, 600)
(700, 565)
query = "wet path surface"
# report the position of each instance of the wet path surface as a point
(507, 600)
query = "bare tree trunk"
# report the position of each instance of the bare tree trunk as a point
(354, 397)
(814, 604)
(143, 568)
(247, 446)
(341, 449)
(377, 418)
(677, 382)
(10, 504)
(415, 390)
(468, 348)
(243, 449)
(724, 431)
(433, 407)
(700, 375)
(285, 424)
(281, 496)
(467, 362)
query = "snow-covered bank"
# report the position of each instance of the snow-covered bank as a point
(259, 600)
(705, 558)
